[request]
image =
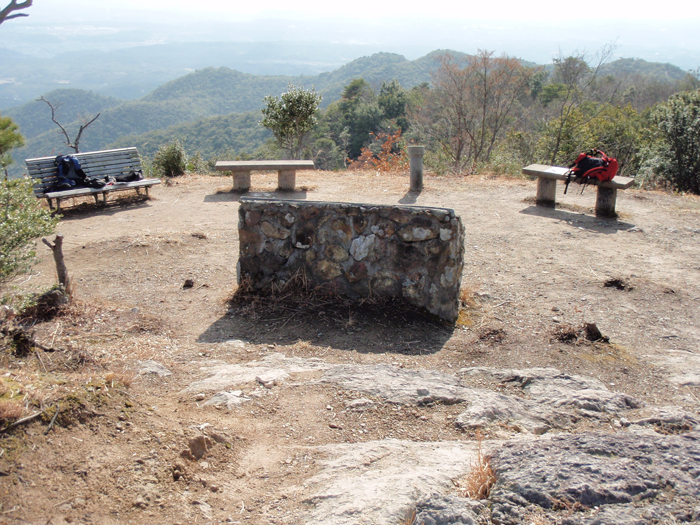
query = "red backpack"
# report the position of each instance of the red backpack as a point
(589, 166)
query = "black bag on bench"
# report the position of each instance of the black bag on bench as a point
(132, 176)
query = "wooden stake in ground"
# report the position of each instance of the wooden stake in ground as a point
(61, 270)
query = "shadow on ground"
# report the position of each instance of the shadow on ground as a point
(112, 207)
(366, 330)
(235, 196)
(410, 198)
(580, 220)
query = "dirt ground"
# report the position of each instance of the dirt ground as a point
(532, 276)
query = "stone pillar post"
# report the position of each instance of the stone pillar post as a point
(546, 191)
(605, 202)
(286, 179)
(241, 180)
(416, 155)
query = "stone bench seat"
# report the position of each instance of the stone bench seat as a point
(547, 177)
(286, 171)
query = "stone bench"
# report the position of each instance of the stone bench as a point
(95, 164)
(547, 177)
(286, 171)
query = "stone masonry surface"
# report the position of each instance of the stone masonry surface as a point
(409, 252)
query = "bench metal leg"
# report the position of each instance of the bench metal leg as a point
(241, 180)
(286, 179)
(605, 202)
(50, 201)
(97, 197)
(546, 191)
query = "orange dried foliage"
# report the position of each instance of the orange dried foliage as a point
(385, 161)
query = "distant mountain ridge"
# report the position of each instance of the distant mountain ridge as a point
(186, 102)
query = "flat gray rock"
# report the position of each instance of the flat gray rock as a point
(229, 400)
(683, 368)
(437, 509)
(153, 368)
(273, 368)
(626, 477)
(381, 481)
(398, 385)
(550, 400)
(666, 419)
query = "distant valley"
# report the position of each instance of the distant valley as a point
(215, 110)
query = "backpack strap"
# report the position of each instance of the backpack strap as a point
(569, 174)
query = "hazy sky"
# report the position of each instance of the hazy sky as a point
(536, 30)
(370, 10)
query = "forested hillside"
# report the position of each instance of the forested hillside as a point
(34, 118)
(210, 137)
(204, 93)
(214, 111)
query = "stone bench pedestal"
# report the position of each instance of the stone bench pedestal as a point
(286, 171)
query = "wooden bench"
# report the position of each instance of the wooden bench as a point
(547, 177)
(95, 164)
(286, 171)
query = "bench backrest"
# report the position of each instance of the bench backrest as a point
(94, 164)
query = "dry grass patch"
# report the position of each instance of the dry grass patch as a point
(9, 411)
(299, 298)
(478, 482)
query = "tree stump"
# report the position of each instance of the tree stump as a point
(61, 270)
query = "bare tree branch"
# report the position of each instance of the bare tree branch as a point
(86, 122)
(83, 127)
(14, 5)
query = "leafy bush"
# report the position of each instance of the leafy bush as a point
(678, 127)
(197, 164)
(9, 138)
(327, 155)
(170, 160)
(291, 117)
(22, 219)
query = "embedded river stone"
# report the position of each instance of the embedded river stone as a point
(407, 252)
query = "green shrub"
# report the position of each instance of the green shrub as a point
(170, 160)
(197, 164)
(327, 155)
(22, 219)
(678, 125)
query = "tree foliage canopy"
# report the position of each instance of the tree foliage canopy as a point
(678, 124)
(10, 138)
(291, 117)
(473, 100)
(22, 220)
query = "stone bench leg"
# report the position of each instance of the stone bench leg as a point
(241, 180)
(605, 202)
(546, 191)
(286, 180)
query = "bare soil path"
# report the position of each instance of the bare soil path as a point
(534, 275)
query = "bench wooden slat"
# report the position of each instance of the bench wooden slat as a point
(89, 191)
(94, 164)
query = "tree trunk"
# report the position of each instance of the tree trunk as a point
(61, 270)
